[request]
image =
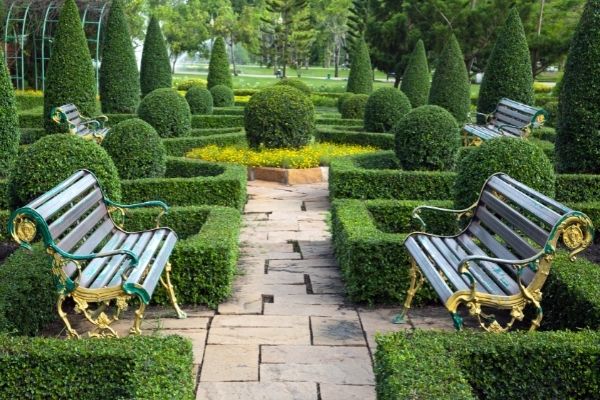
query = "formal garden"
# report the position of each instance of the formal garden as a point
(420, 225)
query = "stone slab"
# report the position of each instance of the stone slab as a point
(329, 262)
(250, 329)
(337, 331)
(322, 310)
(230, 363)
(341, 373)
(347, 392)
(257, 391)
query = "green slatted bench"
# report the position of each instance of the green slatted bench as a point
(510, 118)
(87, 128)
(502, 257)
(94, 259)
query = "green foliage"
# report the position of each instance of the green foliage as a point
(385, 141)
(508, 72)
(577, 188)
(200, 100)
(427, 138)
(136, 149)
(70, 76)
(360, 79)
(139, 367)
(187, 84)
(179, 147)
(167, 112)
(279, 116)
(342, 99)
(9, 122)
(119, 77)
(577, 146)
(218, 68)
(27, 297)
(520, 159)
(53, 159)
(386, 106)
(155, 70)
(217, 121)
(450, 87)
(295, 83)
(222, 96)
(416, 80)
(354, 107)
(27, 100)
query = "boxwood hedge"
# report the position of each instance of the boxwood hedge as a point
(180, 146)
(383, 141)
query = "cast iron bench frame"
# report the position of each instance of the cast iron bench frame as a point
(87, 128)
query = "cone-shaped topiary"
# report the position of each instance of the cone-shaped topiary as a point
(222, 96)
(416, 78)
(508, 71)
(200, 100)
(155, 71)
(427, 138)
(450, 87)
(578, 140)
(167, 112)
(385, 107)
(218, 68)
(70, 77)
(354, 107)
(9, 121)
(296, 83)
(360, 79)
(119, 77)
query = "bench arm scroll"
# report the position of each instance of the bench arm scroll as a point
(416, 214)
(154, 203)
(464, 264)
(87, 257)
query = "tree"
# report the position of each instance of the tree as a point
(508, 71)
(155, 70)
(357, 20)
(119, 77)
(135, 11)
(360, 79)
(416, 78)
(332, 17)
(577, 143)
(450, 87)
(70, 77)
(9, 121)
(218, 68)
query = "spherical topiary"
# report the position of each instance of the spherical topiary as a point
(296, 83)
(416, 78)
(167, 112)
(222, 96)
(384, 109)
(279, 116)
(360, 78)
(200, 100)
(354, 107)
(218, 68)
(155, 69)
(522, 160)
(427, 138)
(136, 149)
(53, 159)
(342, 99)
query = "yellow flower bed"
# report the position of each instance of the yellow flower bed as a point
(242, 99)
(309, 156)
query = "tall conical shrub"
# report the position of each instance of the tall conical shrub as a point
(578, 140)
(119, 78)
(9, 121)
(450, 87)
(70, 77)
(155, 71)
(508, 71)
(218, 68)
(360, 79)
(416, 78)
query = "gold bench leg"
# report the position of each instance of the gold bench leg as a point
(137, 322)
(63, 315)
(171, 290)
(416, 281)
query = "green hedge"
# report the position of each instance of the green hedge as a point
(228, 111)
(443, 365)
(178, 147)
(214, 131)
(217, 121)
(29, 100)
(191, 182)
(339, 122)
(383, 141)
(31, 135)
(146, 367)
(31, 119)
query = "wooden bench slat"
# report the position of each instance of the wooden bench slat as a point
(494, 225)
(70, 240)
(55, 204)
(542, 198)
(440, 287)
(114, 263)
(95, 266)
(62, 223)
(137, 249)
(57, 189)
(519, 106)
(160, 261)
(146, 256)
(88, 246)
(448, 270)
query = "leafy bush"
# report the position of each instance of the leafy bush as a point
(354, 107)
(28, 99)
(187, 84)
(217, 121)
(342, 99)
(520, 159)
(222, 96)
(9, 122)
(136, 150)
(155, 70)
(295, 83)
(360, 79)
(53, 159)
(416, 80)
(427, 138)
(385, 141)
(200, 100)
(167, 112)
(218, 67)
(119, 77)
(179, 147)
(577, 147)
(70, 58)
(279, 116)
(385, 107)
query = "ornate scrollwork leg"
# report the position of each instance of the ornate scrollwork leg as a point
(416, 281)
(137, 322)
(99, 318)
(171, 290)
(63, 315)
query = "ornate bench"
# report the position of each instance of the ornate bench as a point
(503, 256)
(94, 259)
(79, 125)
(510, 119)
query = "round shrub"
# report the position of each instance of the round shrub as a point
(200, 100)
(522, 160)
(295, 83)
(354, 107)
(279, 116)
(427, 138)
(342, 99)
(222, 96)
(167, 112)
(54, 158)
(385, 107)
(136, 149)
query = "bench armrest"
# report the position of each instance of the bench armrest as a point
(91, 256)
(463, 265)
(460, 213)
(97, 124)
(154, 203)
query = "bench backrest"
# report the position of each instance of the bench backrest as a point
(68, 113)
(514, 117)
